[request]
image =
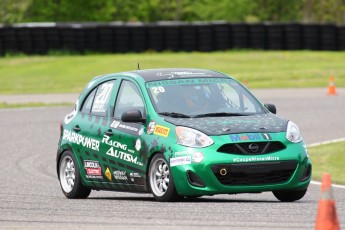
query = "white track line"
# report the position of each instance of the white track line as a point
(324, 143)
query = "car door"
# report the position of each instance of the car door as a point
(122, 143)
(93, 121)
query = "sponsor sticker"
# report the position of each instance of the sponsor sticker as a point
(255, 159)
(151, 127)
(133, 176)
(120, 175)
(93, 170)
(161, 130)
(186, 160)
(69, 117)
(108, 174)
(138, 144)
(250, 137)
(80, 140)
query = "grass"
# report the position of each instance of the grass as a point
(5, 105)
(329, 158)
(61, 73)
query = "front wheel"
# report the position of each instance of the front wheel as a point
(289, 195)
(69, 176)
(161, 181)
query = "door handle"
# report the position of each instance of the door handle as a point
(76, 128)
(109, 133)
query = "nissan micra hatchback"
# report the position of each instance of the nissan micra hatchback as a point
(178, 133)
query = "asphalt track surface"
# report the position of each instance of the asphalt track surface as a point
(31, 198)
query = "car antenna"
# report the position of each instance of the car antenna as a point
(138, 66)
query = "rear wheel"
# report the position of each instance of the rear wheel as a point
(161, 181)
(289, 195)
(69, 176)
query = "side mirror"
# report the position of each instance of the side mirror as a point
(271, 108)
(132, 116)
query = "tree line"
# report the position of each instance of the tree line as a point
(309, 11)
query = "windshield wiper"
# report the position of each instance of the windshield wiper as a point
(176, 115)
(223, 114)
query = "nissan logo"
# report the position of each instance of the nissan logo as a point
(253, 147)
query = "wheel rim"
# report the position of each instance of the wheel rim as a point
(67, 174)
(159, 177)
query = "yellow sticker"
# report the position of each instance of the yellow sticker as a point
(108, 173)
(161, 130)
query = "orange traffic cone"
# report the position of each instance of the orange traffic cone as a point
(327, 214)
(331, 87)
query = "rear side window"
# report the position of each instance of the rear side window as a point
(88, 102)
(97, 101)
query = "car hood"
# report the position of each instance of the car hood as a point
(260, 123)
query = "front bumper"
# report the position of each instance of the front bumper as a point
(221, 174)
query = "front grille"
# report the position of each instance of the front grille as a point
(254, 173)
(252, 148)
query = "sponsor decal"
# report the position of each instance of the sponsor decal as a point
(250, 137)
(102, 97)
(117, 150)
(161, 130)
(197, 157)
(186, 160)
(120, 175)
(107, 174)
(134, 175)
(69, 117)
(183, 153)
(141, 131)
(157, 90)
(80, 140)
(117, 124)
(93, 170)
(151, 127)
(188, 81)
(123, 156)
(255, 159)
(116, 144)
(138, 144)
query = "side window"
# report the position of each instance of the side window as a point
(128, 98)
(100, 103)
(88, 102)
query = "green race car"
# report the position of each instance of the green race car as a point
(178, 133)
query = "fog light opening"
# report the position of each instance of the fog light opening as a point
(306, 174)
(223, 171)
(195, 180)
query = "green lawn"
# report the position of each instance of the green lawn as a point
(260, 69)
(329, 158)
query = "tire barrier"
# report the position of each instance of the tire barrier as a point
(120, 37)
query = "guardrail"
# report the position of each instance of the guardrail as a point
(119, 37)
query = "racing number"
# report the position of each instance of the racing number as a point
(158, 89)
(104, 94)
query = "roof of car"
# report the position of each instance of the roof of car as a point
(176, 73)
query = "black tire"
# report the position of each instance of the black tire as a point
(289, 195)
(161, 181)
(69, 176)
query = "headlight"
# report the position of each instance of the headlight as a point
(192, 138)
(292, 133)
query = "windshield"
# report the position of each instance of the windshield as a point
(202, 97)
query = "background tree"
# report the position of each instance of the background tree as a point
(324, 11)
(319, 11)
